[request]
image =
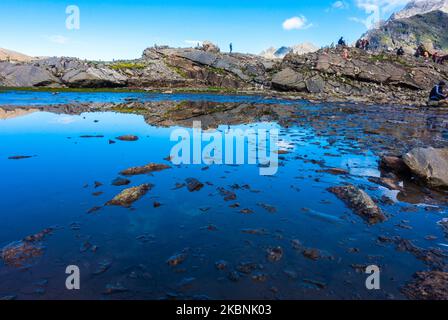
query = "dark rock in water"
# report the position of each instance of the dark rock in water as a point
(128, 196)
(221, 265)
(127, 138)
(274, 254)
(296, 244)
(248, 267)
(234, 276)
(312, 254)
(97, 184)
(360, 202)
(430, 164)
(434, 258)
(176, 259)
(8, 298)
(429, 285)
(19, 157)
(268, 208)
(112, 142)
(246, 211)
(335, 171)
(316, 283)
(393, 164)
(156, 204)
(118, 182)
(228, 195)
(151, 167)
(259, 277)
(115, 288)
(103, 266)
(20, 253)
(194, 184)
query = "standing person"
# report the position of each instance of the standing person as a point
(341, 42)
(231, 47)
(366, 44)
(437, 93)
(358, 44)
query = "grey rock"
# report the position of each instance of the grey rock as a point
(430, 164)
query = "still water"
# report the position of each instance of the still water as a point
(122, 253)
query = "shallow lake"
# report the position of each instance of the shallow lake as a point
(122, 253)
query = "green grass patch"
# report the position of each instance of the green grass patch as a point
(127, 66)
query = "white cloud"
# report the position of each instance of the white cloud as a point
(340, 5)
(57, 39)
(377, 10)
(296, 23)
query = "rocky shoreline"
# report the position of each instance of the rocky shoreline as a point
(321, 76)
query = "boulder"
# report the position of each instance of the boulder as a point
(429, 164)
(288, 79)
(26, 75)
(315, 84)
(210, 47)
(94, 77)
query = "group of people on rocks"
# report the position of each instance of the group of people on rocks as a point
(421, 51)
(363, 44)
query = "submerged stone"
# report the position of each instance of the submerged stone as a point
(194, 184)
(151, 167)
(20, 253)
(118, 182)
(360, 202)
(177, 259)
(128, 196)
(274, 254)
(430, 285)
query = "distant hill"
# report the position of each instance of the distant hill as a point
(10, 55)
(303, 48)
(421, 21)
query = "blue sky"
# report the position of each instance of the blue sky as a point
(124, 28)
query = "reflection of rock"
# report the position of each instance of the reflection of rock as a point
(430, 285)
(429, 164)
(15, 113)
(360, 202)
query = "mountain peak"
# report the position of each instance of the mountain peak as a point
(416, 7)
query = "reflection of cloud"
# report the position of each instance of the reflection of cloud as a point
(296, 23)
(57, 39)
(340, 5)
(64, 120)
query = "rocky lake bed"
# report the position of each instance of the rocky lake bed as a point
(88, 181)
